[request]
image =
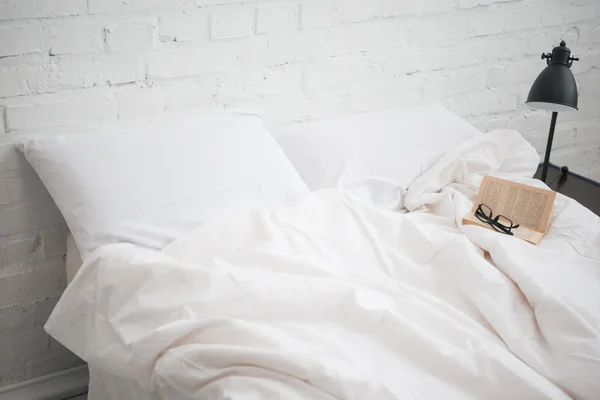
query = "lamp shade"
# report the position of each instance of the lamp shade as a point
(555, 88)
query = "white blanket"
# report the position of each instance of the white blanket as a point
(335, 299)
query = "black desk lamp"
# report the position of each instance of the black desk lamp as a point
(554, 90)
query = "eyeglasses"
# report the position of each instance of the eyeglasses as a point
(500, 223)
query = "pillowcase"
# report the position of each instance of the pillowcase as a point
(375, 155)
(153, 184)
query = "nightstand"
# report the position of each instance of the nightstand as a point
(575, 186)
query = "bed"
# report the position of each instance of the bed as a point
(346, 274)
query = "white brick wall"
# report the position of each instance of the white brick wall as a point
(27, 9)
(71, 65)
(231, 22)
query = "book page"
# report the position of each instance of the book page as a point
(521, 232)
(525, 205)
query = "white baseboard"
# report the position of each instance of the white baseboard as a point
(57, 386)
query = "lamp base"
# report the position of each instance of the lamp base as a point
(554, 174)
(564, 172)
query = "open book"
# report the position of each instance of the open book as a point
(523, 205)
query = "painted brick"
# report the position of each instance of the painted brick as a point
(32, 286)
(519, 72)
(391, 66)
(22, 40)
(201, 3)
(264, 50)
(14, 372)
(475, 104)
(563, 138)
(594, 174)
(364, 36)
(185, 27)
(140, 102)
(477, 3)
(571, 34)
(393, 8)
(13, 82)
(440, 58)
(23, 346)
(254, 84)
(230, 22)
(27, 218)
(23, 251)
(320, 15)
(192, 60)
(120, 6)
(514, 20)
(25, 189)
(559, 16)
(55, 359)
(16, 320)
(438, 84)
(588, 106)
(4, 193)
(361, 10)
(35, 264)
(130, 36)
(82, 71)
(404, 93)
(20, 9)
(488, 124)
(586, 63)
(43, 309)
(10, 156)
(296, 108)
(591, 35)
(535, 121)
(75, 38)
(347, 72)
(60, 113)
(588, 133)
(575, 156)
(277, 18)
(55, 242)
(180, 94)
(438, 30)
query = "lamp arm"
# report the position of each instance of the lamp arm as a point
(549, 146)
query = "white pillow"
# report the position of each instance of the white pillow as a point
(151, 185)
(376, 155)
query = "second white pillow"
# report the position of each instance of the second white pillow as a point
(375, 155)
(151, 185)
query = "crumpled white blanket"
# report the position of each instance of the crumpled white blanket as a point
(336, 299)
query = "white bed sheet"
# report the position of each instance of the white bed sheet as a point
(336, 299)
